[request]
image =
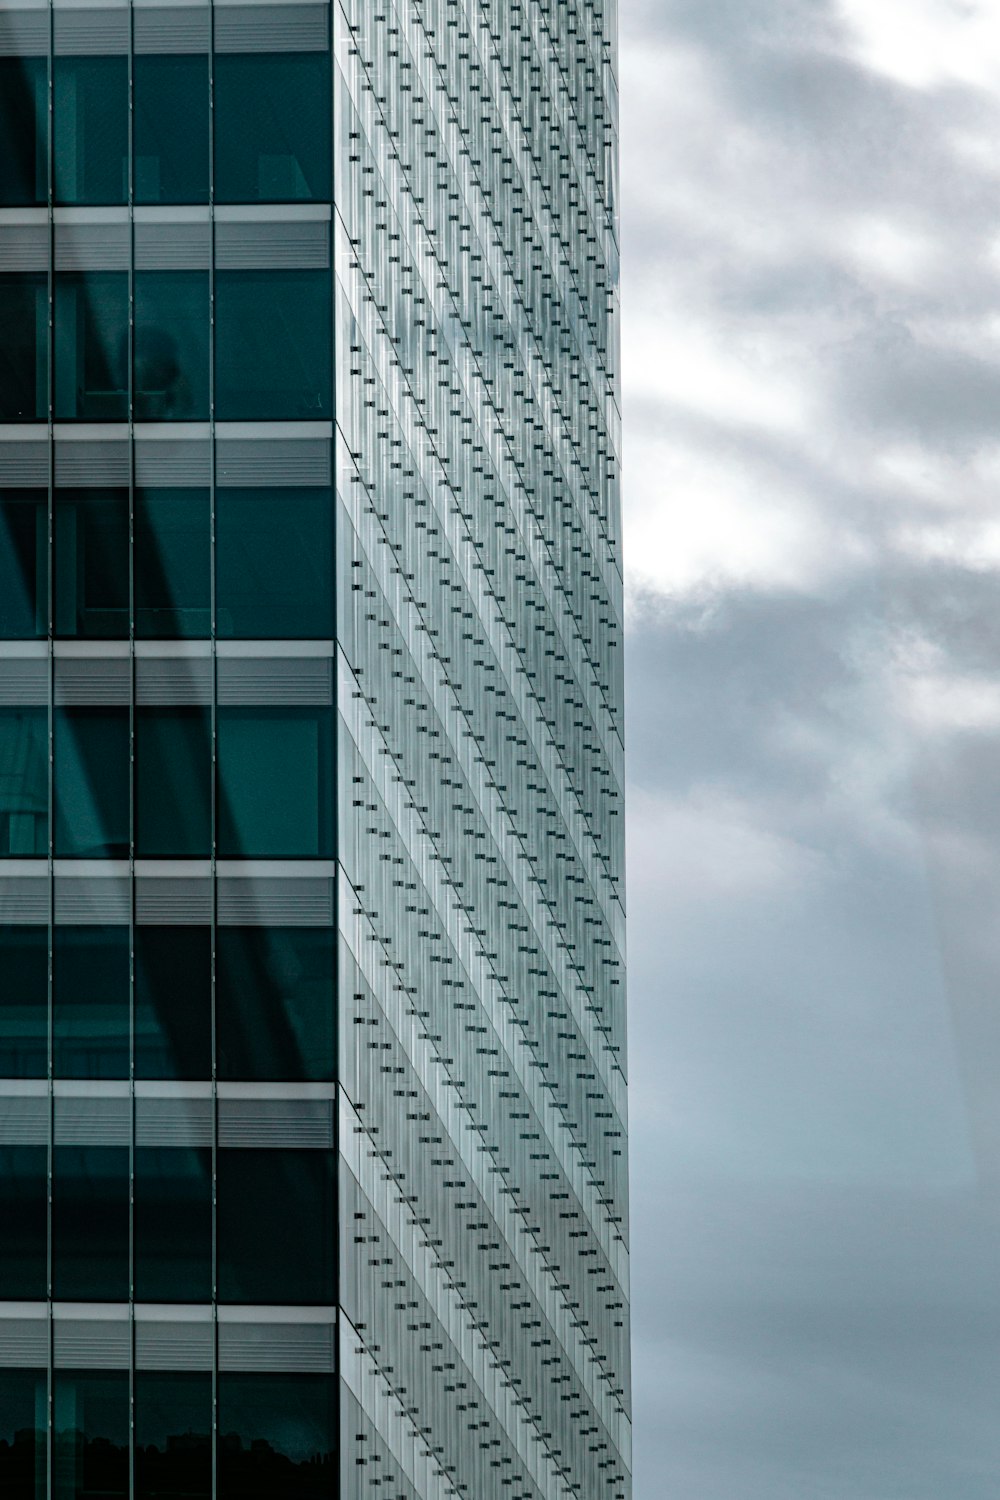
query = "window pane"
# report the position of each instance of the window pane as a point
(171, 129)
(24, 368)
(171, 345)
(274, 1001)
(173, 1224)
(173, 1442)
(173, 1002)
(24, 1002)
(24, 587)
(24, 1223)
(272, 127)
(90, 1002)
(91, 346)
(91, 1437)
(276, 1437)
(90, 1214)
(92, 782)
(91, 563)
(275, 782)
(267, 1201)
(173, 759)
(24, 1420)
(23, 130)
(90, 129)
(272, 350)
(172, 563)
(24, 797)
(274, 563)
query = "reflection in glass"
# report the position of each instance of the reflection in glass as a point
(24, 348)
(24, 587)
(90, 1002)
(267, 1201)
(173, 765)
(274, 1002)
(90, 129)
(23, 1223)
(173, 1002)
(275, 768)
(24, 794)
(91, 563)
(92, 782)
(276, 1437)
(91, 1435)
(23, 130)
(274, 563)
(171, 129)
(173, 1224)
(23, 1423)
(91, 346)
(172, 563)
(272, 345)
(24, 1001)
(90, 1223)
(171, 345)
(272, 127)
(173, 1443)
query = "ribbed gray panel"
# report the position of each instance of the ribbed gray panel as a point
(91, 463)
(306, 902)
(172, 247)
(277, 1346)
(24, 33)
(185, 462)
(174, 1346)
(24, 1343)
(91, 1122)
(80, 902)
(90, 32)
(279, 462)
(91, 1343)
(275, 680)
(24, 247)
(24, 1121)
(180, 29)
(24, 463)
(91, 247)
(276, 1122)
(302, 244)
(176, 679)
(271, 28)
(173, 1122)
(165, 901)
(24, 899)
(99, 680)
(24, 680)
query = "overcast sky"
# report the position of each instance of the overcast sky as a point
(811, 234)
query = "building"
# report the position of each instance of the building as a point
(312, 1096)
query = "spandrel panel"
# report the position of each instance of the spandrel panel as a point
(267, 1201)
(173, 1002)
(274, 999)
(23, 131)
(172, 581)
(277, 1436)
(171, 143)
(274, 563)
(172, 1224)
(24, 347)
(23, 1223)
(173, 776)
(91, 346)
(272, 345)
(90, 1457)
(24, 1001)
(24, 1418)
(272, 127)
(24, 585)
(24, 798)
(275, 783)
(173, 1435)
(90, 1224)
(90, 129)
(92, 775)
(92, 563)
(171, 346)
(90, 1002)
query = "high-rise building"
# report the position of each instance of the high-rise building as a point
(312, 1094)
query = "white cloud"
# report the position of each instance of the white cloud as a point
(928, 43)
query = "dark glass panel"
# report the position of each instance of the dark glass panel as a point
(274, 563)
(173, 1224)
(91, 1435)
(91, 346)
(24, 112)
(91, 563)
(90, 129)
(277, 1437)
(24, 583)
(171, 129)
(90, 1002)
(275, 771)
(171, 345)
(173, 760)
(24, 1002)
(273, 342)
(90, 1223)
(24, 1194)
(274, 1000)
(24, 348)
(272, 127)
(24, 775)
(173, 1002)
(268, 1201)
(173, 1435)
(92, 782)
(23, 1422)
(172, 563)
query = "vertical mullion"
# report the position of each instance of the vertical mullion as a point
(132, 768)
(214, 731)
(50, 625)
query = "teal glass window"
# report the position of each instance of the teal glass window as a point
(275, 782)
(92, 782)
(173, 1002)
(24, 368)
(274, 1002)
(24, 795)
(272, 127)
(171, 129)
(171, 345)
(173, 804)
(90, 1448)
(24, 1419)
(91, 346)
(24, 109)
(90, 1224)
(277, 1436)
(267, 1201)
(274, 563)
(24, 1001)
(24, 586)
(91, 564)
(172, 566)
(173, 1435)
(24, 1209)
(90, 1002)
(272, 345)
(90, 129)
(172, 1224)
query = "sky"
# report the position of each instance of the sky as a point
(810, 199)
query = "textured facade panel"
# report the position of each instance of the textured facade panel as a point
(277, 1347)
(91, 1343)
(92, 247)
(92, 1121)
(182, 462)
(173, 680)
(24, 1121)
(245, 463)
(173, 900)
(84, 903)
(304, 901)
(91, 463)
(174, 1346)
(24, 1343)
(173, 1122)
(24, 247)
(292, 245)
(271, 28)
(24, 463)
(171, 29)
(276, 1122)
(275, 680)
(90, 33)
(173, 247)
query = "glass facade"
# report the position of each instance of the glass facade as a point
(312, 1091)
